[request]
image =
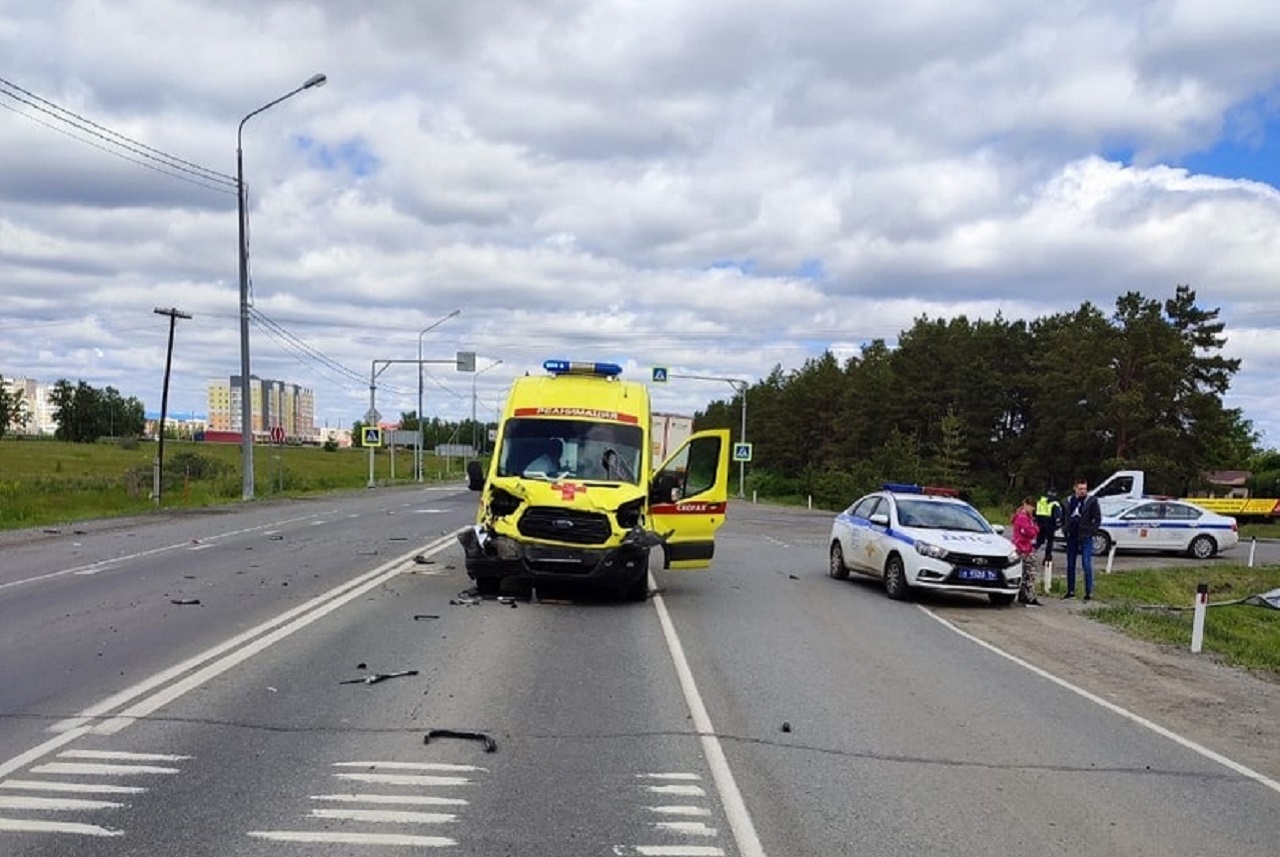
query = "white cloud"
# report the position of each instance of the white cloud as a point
(717, 187)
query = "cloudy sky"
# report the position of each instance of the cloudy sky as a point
(715, 186)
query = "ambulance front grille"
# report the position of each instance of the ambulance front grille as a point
(551, 523)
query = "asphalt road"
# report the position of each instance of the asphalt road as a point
(759, 708)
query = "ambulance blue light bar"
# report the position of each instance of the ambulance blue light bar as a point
(578, 367)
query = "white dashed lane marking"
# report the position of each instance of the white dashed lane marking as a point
(43, 796)
(379, 809)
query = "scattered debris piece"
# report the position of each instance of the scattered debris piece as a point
(184, 601)
(786, 726)
(277, 538)
(422, 560)
(362, 666)
(490, 746)
(272, 689)
(398, 538)
(450, 567)
(793, 577)
(466, 600)
(52, 532)
(506, 599)
(188, 577)
(420, 616)
(379, 677)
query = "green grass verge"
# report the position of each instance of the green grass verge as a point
(1143, 603)
(45, 482)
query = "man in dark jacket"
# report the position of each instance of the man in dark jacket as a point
(1082, 518)
(1048, 519)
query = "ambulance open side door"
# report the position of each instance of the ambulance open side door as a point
(688, 498)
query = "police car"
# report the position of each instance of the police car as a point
(1159, 524)
(914, 537)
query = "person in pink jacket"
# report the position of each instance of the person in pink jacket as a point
(1023, 536)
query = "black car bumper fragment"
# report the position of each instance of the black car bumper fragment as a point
(490, 555)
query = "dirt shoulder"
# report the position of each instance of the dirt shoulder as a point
(1231, 711)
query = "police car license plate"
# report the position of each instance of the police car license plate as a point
(976, 574)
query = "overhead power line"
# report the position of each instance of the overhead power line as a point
(113, 142)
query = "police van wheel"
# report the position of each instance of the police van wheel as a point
(895, 579)
(837, 568)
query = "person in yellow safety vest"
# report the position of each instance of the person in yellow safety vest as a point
(1048, 519)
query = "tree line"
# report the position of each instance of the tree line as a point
(1001, 407)
(83, 412)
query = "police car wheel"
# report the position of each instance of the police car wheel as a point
(1000, 599)
(837, 568)
(1100, 544)
(1202, 547)
(895, 579)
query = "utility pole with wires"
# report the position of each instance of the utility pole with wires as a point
(157, 481)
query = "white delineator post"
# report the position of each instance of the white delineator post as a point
(1253, 549)
(1111, 558)
(1197, 622)
(1047, 576)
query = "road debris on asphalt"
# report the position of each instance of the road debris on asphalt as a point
(379, 677)
(418, 617)
(421, 559)
(490, 746)
(467, 598)
(786, 726)
(184, 601)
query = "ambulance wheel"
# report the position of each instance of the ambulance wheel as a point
(638, 589)
(488, 587)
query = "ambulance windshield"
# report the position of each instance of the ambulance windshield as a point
(552, 448)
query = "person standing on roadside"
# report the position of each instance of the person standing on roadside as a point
(1024, 542)
(1082, 520)
(1048, 519)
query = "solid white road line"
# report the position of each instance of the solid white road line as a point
(692, 828)
(735, 809)
(316, 837)
(385, 816)
(22, 825)
(100, 770)
(407, 800)
(1257, 777)
(74, 788)
(240, 650)
(681, 810)
(686, 791)
(54, 803)
(672, 776)
(405, 779)
(120, 756)
(319, 605)
(410, 766)
(679, 851)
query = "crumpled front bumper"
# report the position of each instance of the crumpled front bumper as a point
(493, 555)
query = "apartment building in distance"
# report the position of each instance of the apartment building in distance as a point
(39, 409)
(272, 404)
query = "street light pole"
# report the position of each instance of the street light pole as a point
(739, 386)
(418, 451)
(246, 406)
(473, 401)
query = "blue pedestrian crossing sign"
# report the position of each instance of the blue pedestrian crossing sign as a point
(742, 452)
(659, 374)
(370, 436)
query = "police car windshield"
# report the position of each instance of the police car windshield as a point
(936, 515)
(551, 449)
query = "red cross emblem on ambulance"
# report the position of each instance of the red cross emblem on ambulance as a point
(568, 490)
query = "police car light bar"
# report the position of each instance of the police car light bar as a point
(912, 488)
(577, 367)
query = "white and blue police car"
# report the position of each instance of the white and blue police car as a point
(914, 537)
(1163, 524)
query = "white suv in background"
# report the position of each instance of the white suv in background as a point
(925, 538)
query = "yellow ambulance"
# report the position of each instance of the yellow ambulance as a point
(572, 492)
